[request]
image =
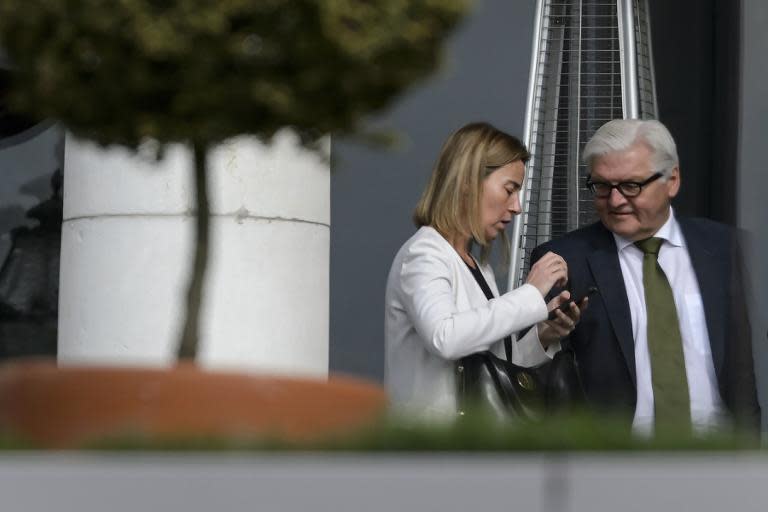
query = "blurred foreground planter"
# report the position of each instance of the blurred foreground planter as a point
(69, 407)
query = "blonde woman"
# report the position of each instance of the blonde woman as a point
(436, 310)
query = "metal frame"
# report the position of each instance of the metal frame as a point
(568, 98)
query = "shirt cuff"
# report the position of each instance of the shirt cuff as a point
(530, 352)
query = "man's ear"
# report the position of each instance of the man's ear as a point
(673, 182)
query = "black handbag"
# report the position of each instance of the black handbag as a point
(511, 391)
(487, 381)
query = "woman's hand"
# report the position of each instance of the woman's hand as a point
(549, 271)
(551, 331)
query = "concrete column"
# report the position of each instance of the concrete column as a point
(126, 253)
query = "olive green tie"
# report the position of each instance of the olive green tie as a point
(665, 345)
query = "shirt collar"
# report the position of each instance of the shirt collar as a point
(669, 232)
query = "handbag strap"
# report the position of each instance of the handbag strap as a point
(489, 295)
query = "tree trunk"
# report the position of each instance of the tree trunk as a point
(190, 337)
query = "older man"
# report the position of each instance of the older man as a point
(667, 339)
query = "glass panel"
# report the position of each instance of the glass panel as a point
(31, 155)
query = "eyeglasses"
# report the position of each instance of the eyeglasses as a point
(603, 189)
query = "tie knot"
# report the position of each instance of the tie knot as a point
(650, 245)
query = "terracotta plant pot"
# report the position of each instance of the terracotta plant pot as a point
(66, 407)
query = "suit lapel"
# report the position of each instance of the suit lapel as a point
(709, 272)
(604, 264)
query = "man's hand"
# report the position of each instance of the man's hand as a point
(551, 331)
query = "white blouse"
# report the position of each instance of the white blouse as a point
(435, 313)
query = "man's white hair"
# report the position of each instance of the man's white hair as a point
(621, 134)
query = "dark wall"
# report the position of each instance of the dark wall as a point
(753, 178)
(696, 55)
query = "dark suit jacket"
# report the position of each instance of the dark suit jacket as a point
(603, 340)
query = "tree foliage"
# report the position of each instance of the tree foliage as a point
(118, 71)
(200, 71)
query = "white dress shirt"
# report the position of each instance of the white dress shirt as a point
(707, 409)
(435, 313)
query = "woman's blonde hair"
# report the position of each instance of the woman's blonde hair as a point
(451, 201)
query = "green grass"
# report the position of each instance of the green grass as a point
(561, 433)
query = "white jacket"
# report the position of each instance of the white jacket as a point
(435, 313)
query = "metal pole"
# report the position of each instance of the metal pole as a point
(517, 226)
(628, 52)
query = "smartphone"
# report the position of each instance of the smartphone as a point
(567, 304)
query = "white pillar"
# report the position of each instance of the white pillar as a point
(126, 254)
